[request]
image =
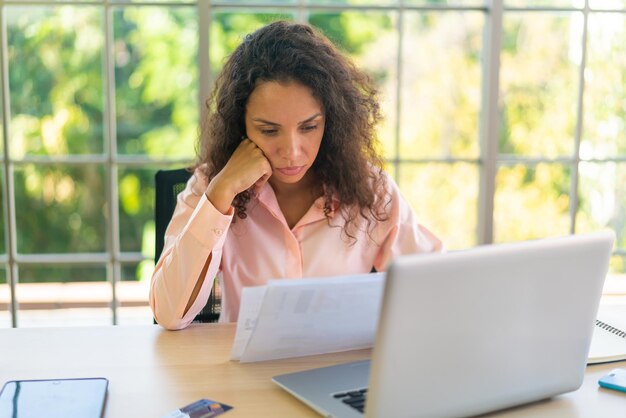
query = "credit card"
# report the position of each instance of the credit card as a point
(203, 408)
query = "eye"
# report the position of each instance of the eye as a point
(308, 128)
(269, 132)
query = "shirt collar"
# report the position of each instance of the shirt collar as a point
(267, 198)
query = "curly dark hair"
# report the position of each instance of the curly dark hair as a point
(347, 165)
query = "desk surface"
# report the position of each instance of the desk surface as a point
(152, 372)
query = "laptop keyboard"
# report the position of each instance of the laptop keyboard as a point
(355, 398)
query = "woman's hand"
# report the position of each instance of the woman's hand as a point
(247, 167)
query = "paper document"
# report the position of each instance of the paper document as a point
(251, 299)
(292, 318)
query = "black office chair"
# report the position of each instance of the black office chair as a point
(168, 184)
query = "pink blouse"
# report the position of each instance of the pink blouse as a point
(249, 252)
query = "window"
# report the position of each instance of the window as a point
(504, 121)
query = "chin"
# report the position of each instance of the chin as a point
(289, 179)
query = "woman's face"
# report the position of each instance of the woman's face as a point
(287, 123)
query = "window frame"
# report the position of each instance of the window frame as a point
(487, 162)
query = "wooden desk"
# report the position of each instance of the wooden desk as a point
(152, 372)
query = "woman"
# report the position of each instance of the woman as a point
(288, 182)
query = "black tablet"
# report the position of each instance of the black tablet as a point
(61, 398)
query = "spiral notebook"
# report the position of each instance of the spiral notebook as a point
(609, 335)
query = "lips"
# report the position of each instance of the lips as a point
(291, 171)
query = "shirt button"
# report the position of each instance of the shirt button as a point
(217, 231)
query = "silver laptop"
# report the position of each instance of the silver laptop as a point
(470, 332)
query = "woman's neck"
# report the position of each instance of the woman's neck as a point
(308, 185)
(296, 199)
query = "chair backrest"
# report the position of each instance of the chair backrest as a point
(168, 184)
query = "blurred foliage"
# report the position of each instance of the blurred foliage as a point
(155, 54)
(441, 80)
(424, 185)
(539, 74)
(546, 3)
(602, 199)
(55, 80)
(531, 202)
(2, 228)
(60, 209)
(602, 190)
(37, 274)
(351, 32)
(58, 102)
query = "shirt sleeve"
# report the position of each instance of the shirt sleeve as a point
(401, 233)
(196, 231)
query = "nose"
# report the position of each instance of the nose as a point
(291, 146)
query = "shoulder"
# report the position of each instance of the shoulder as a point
(196, 186)
(390, 200)
(390, 184)
(385, 188)
(386, 200)
(381, 178)
(384, 192)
